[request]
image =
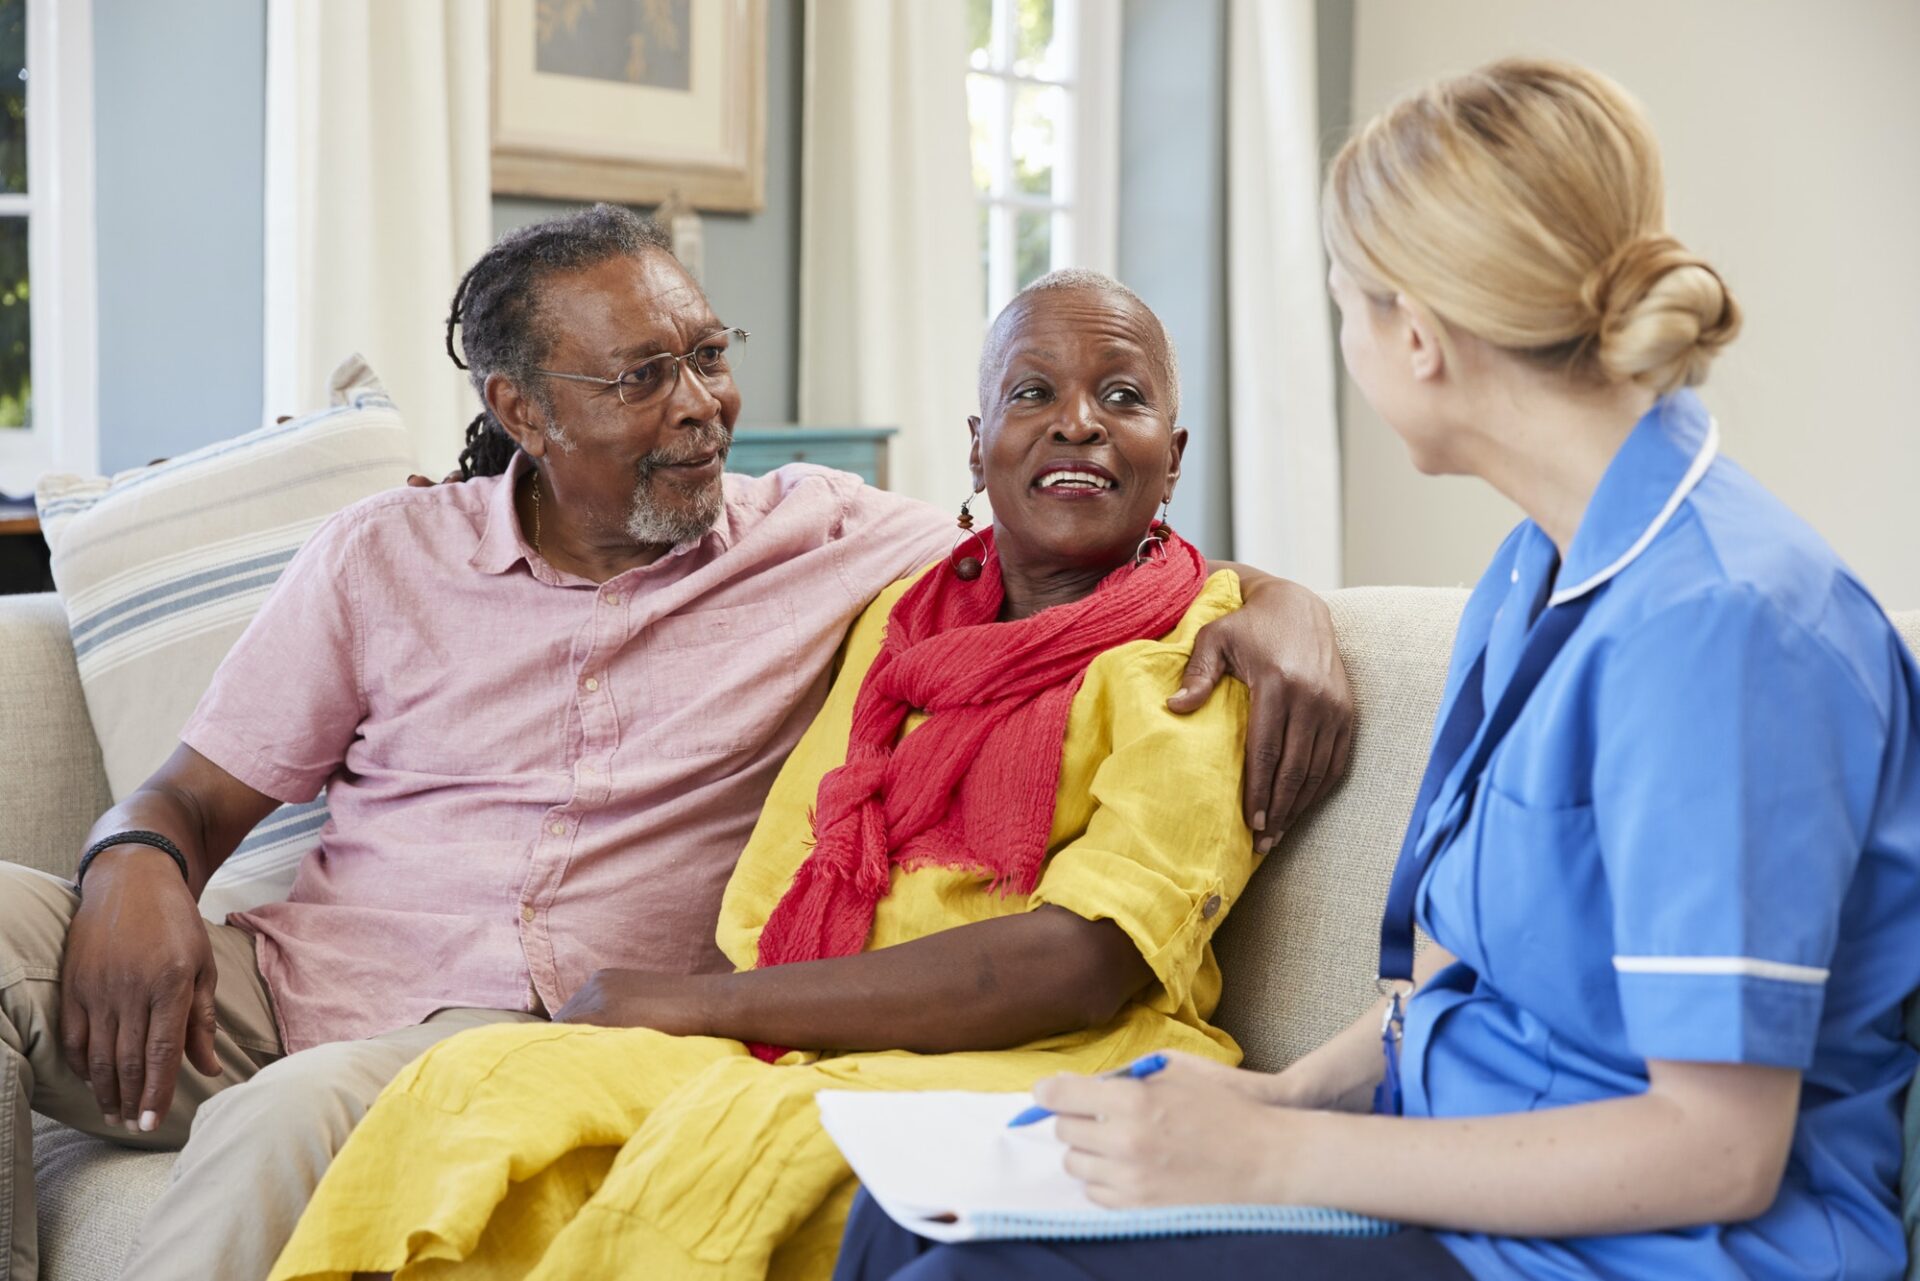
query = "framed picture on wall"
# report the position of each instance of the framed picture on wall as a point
(631, 100)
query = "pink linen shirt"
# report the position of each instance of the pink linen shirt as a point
(530, 776)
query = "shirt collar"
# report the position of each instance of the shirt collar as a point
(1665, 455)
(503, 545)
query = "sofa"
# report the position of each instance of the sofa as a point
(1297, 952)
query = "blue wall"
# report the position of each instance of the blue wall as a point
(179, 121)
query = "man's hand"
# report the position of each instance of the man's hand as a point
(137, 986)
(1199, 1133)
(669, 1003)
(1300, 727)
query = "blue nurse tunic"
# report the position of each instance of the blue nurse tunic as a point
(1699, 841)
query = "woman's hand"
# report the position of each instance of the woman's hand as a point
(1300, 722)
(672, 1003)
(1704, 1143)
(1197, 1133)
(417, 481)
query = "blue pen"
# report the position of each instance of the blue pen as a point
(1137, 1070)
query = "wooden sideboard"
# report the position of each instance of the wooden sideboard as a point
(24, 563)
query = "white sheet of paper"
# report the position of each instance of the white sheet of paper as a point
(930, 1154)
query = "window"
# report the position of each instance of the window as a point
(47, 399)
(1043, 103)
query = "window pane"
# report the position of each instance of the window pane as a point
(13, 96)
(1033, 246)
(1036, 138)
(16, 369)
(986, 257)
(980, 33)
(1034, 52)
(986, 97)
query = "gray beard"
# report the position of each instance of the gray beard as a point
(649, 522)
(656, 524)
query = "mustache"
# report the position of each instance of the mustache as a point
(711, 439)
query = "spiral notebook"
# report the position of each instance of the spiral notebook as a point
(944, 1164)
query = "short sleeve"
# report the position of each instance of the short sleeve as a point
(1166, 853)
(884, 537)
(287, 700)
(1737, 762)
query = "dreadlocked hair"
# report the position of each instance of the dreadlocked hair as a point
(498, 310)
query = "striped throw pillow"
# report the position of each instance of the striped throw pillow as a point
(161, 568)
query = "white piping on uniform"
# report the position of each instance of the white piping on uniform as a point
(1741, 966)
(1698, 469)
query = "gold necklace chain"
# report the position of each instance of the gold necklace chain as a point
(536, 513)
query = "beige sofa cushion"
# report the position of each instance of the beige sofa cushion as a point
(93, 1196)
(1299, 950)
(52, 786)
(1908, 625)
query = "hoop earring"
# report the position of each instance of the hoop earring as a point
(1156, 540)
(967, 568)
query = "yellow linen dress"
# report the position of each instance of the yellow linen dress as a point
(563, 1151)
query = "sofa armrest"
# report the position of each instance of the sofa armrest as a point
(52, 783)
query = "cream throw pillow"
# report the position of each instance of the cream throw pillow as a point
(161, 568)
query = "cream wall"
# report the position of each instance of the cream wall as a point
(1791, 130)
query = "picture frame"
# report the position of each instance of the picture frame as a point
(631, 101)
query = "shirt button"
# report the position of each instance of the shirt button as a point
(1516, 577)
(526, 911)
(611, 598)
(558, 829)
(592, 684)
(1210, 908)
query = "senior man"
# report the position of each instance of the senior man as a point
(545, 707)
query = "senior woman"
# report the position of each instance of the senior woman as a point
(995, 855)
(1669, 838)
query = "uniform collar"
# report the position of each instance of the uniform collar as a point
(1664, 457)
(503, 545)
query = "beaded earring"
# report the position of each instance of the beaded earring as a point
(967, 568)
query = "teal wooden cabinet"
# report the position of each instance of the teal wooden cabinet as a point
(860, 450)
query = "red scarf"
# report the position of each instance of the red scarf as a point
(975, 785)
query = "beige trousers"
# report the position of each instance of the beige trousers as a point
(252, 1155)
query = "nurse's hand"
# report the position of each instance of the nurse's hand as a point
(1197, 1133)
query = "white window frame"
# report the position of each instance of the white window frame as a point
(58, 203)
(1086, 190)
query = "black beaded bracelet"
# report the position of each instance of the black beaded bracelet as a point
(152, 839)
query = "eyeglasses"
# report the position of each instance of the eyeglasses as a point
(714, 358)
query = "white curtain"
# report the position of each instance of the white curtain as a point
(1285, 432)
(377, 177)
(890, 281)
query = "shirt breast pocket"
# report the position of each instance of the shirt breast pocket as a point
(1546, 916)
(721, 681)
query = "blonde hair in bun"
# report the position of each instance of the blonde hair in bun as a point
(1523, 203)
